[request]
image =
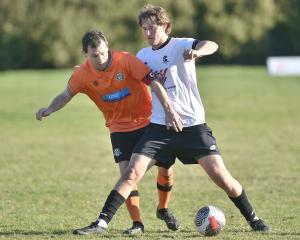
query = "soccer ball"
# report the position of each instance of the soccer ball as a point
(209, 220)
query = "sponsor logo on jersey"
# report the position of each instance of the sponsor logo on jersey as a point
(117, 152)
(116, 96)
(161, 75)
(120, 76)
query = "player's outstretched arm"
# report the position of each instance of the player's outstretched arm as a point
(172, 118)
(57, 103)
(202, 48)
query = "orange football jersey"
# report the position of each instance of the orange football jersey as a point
(119, 91)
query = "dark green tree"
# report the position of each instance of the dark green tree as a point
(47, 33)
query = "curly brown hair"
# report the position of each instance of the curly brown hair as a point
(157, 15)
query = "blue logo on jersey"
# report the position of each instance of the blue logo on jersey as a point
(116, 96)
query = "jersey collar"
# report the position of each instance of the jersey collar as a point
(164, 44)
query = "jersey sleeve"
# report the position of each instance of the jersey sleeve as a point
(188, 43)
(195, 42)
(137, 69)
(75, 84)
(140, 54)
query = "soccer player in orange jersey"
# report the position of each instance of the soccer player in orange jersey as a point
(116, 82)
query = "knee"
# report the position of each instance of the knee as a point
(165, 176)
(220, 175)
(165, 180)
(131, 175)
(216, 167)
(166, 173)
(218, 172)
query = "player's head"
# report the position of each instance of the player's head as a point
(95, 46)
(92, 39)
(155, 24)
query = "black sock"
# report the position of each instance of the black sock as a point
(137, 223)
(243, 204)
(113, 202)
(134, 193)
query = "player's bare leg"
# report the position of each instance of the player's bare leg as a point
(165, 178)
(215, 168)
(133, 206)
(134, 172)
(136, 169)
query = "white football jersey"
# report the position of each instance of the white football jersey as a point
(179, 79)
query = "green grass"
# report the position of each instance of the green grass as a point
(55, 174)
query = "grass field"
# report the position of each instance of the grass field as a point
(56, 174)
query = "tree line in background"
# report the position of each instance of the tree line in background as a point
(47, 33)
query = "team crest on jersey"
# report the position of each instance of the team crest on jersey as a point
(120, 76)
(165, 59)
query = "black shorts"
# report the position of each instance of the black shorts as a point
(123, 143)
(166, 145)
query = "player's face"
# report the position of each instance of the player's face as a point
(154, 33)
(98, 56)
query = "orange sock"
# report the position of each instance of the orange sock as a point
(164, 186)
(133, 206)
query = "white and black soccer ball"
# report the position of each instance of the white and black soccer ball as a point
(209, 220)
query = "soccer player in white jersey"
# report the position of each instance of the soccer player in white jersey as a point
(172, 60)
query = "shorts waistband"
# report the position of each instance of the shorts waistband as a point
(163, 127)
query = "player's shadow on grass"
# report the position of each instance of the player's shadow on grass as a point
(286, 233)
(273, 232)
(34, 233)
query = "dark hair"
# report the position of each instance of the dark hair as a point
(93, 39)
(157, 15)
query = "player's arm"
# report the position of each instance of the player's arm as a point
(172, 118)
(57, 103)
(201, 48)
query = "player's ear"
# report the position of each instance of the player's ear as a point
(84, 52)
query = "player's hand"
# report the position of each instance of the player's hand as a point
(190, 54)
(43, 112)
(174, 121)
